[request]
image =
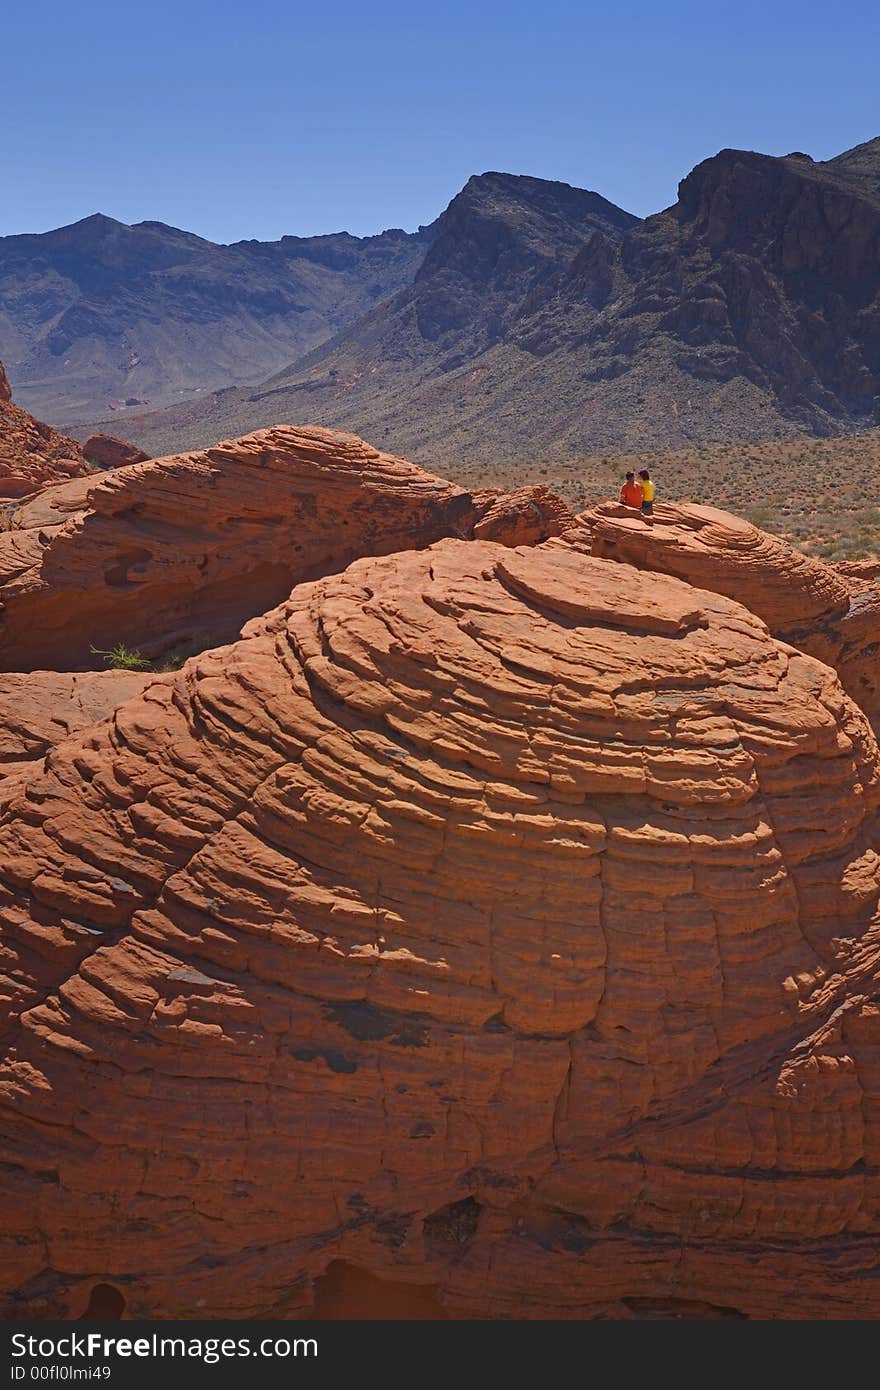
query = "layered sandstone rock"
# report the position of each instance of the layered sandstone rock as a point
(524, 517)
(32, 455)
(156, 554)
(40, 709)
(864, 570)
(830, 611)
(716, 550)
(106, 451)
(488, 933)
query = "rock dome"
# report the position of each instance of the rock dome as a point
(498, 927)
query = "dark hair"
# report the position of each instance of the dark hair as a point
(644, 473)
(630, 475)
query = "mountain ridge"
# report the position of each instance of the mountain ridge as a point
(100, 312)
(535, 318)
(748, 309)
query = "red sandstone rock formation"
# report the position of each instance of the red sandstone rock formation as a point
(32, 455)
(524, 517)
(106, 451)
(159, 552)
(41, 708)
(830, 611)
(864, 570)
(721, 552)
(498, 925)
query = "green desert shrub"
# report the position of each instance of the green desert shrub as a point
(123, 658)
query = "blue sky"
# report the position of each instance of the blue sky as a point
(258, 118)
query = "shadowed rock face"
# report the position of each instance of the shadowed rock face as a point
(832, 612)
(499, 923)
(524, 517)
(32, 454)
(162, 552)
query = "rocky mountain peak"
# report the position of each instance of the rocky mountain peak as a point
(107, 314)
(860, 165)
(500, 223)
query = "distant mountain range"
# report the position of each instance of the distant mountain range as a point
(99, 313)
(531, 319)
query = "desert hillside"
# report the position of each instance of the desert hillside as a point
(100, 318)
(543, 325)
(821, 494)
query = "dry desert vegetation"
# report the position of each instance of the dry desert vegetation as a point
(820, 494)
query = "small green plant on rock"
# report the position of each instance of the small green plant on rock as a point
(123, 658)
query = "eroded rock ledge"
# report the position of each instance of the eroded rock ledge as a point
(168, 550)
(32, 454)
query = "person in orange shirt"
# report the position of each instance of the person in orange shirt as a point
(631, 494)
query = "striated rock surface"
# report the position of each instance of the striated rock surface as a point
(858, 569)
(487, 933)
(32, 455)
(106, 451)
(40, 708)
(851, 644)
(716, 550)
(831, 611)
(162, 552)
(524, 517)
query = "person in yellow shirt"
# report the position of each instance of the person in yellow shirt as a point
(647, 493)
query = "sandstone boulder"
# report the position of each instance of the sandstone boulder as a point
(106, 451)
(488, 933)
(716, 550)
(155, 554)
(32, 455)
(865, 570)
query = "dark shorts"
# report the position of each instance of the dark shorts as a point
(647, 509)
